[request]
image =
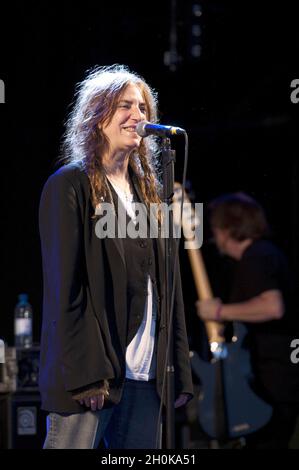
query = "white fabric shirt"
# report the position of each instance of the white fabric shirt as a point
(141, 352)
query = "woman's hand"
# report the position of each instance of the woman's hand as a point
(95, 402)
(182, 400)
(93, 395)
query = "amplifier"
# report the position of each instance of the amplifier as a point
(22, 422)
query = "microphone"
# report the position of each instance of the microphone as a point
(145, 128)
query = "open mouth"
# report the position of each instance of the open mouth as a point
(130, 129)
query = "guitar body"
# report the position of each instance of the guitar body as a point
(227, 379)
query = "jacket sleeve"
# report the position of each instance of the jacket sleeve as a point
(92, 390)
(77, 345)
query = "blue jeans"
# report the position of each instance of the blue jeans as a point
(132, 424)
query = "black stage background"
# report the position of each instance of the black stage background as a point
(234, 101)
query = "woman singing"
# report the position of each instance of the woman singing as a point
(103, 346)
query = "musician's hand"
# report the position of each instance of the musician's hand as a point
(208, 309)
(182, 400)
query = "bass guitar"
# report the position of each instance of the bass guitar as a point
(228, 408)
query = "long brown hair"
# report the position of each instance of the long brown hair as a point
(95, 103)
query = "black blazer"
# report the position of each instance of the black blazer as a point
(83, 336)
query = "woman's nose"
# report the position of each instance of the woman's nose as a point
(138, 113)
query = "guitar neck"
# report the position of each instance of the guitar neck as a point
(204, 292)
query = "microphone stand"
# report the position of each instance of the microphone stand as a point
(168, 159)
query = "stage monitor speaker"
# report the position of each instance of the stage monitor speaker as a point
(23, 423)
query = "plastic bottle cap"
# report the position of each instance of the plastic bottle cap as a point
(23, 297)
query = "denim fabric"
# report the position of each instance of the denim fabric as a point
(132, 424)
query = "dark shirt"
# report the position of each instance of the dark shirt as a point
(263, 267)
(141, 262)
